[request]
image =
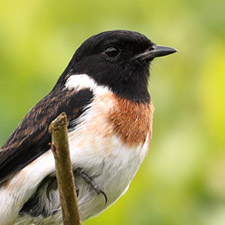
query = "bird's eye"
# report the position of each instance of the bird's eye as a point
(112, 52)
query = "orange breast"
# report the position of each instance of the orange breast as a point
(131, 121)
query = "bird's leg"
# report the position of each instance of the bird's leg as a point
(90, 182)
(77, 191)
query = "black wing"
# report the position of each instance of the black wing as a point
(31, 138)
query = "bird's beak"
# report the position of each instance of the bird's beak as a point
(155, 51)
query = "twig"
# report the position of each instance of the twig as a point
(64, 173)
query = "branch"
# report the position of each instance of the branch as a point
(64, 173)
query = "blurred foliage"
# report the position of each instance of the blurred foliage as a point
(182, 181)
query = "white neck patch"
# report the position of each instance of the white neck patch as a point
(82, 81)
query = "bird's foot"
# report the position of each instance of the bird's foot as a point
(79, 171)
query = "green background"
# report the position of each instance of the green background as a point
(182, 180)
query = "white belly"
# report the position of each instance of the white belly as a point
(112, 171)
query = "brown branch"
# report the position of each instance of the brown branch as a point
(64, 173)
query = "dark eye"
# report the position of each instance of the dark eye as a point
(112, 52)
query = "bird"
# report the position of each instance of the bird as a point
(104, 93)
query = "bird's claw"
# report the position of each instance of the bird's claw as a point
(90, 181)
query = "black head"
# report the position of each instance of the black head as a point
(118, 59)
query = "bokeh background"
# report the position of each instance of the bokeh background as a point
(182, 181)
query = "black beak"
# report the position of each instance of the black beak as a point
(155, 51)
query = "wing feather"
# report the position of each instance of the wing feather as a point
(31, 138)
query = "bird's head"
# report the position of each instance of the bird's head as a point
(118, 59)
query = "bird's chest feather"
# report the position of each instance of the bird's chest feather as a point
(110, 142)
(112, 128)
